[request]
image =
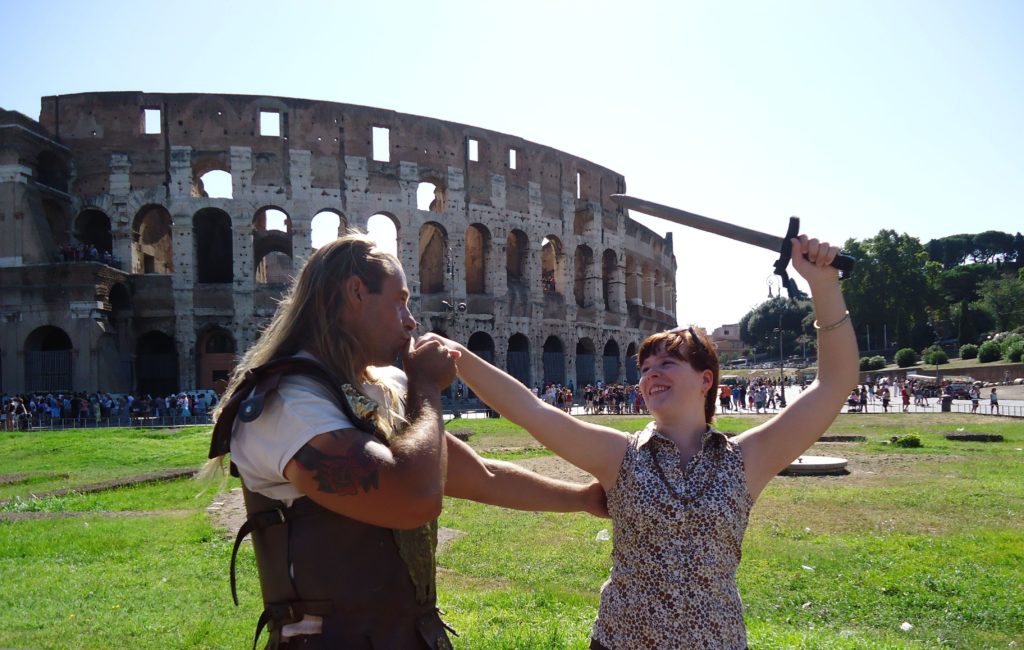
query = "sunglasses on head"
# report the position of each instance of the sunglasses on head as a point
(695, 342)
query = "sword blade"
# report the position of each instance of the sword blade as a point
(682, 217)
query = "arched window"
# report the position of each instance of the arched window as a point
(478, 244)
(383, 230)
(214, 184)
(152, 240)
(433, 258)
(211, 232)
(584, 260)
(430, 197)
(272, 246)
(517, 251)
(326, 226)
(609, 268)
(551, 259)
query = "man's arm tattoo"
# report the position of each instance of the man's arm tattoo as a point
(340, 474)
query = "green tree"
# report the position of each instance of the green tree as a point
(890, 286)
(1004, 298)
(759, 327)
(991, 244)
(950, 251)
(961, 283)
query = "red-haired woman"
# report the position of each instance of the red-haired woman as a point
(679, 492)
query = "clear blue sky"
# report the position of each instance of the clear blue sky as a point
(856, 116)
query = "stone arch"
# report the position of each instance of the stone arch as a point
(92, 227)
(517, 256)
(551, 260)
(215, 359)
(478, 248)
(152, 240)
(518, 358)
(632, 372)
(585, 352)
(609, 272)
(156, 364)
(431, 196)
(211, 177)
(658, 290)
(554, 361)
(583, 260)
(272, 245)
(632, 292)
(386, 230)
(326, 226)
(48, 360)
(214, 246)
(433, 260)
(646, 290)
(611, 365)
(482, 345)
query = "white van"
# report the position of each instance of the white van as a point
(738, 363)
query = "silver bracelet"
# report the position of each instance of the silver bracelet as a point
(834, 325)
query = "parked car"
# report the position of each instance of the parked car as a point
(960, 390)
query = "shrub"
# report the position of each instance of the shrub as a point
(989, 351)
(969, 351)
(1009, 342)
(909, 440)
(906, 357)
(935, 356)
(872, 363)
(1015, 352)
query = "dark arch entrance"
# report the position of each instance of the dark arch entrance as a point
(93, 227)
(482, 345)
(554, 361)
(611, 362)
(156, 364)
(518, 363)
(632, 373)
(48, 360)
(585, 362)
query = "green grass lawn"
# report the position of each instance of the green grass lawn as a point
(929, 536)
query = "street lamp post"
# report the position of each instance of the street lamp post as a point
(454, 310)
(782, 358)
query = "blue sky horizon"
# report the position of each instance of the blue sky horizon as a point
(854, 116)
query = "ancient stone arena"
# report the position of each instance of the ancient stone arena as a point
(122, 268)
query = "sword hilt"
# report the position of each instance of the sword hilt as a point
(844, 263)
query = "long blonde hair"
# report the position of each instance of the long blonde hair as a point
(308, 318)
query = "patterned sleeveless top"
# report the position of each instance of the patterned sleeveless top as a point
(678, 533)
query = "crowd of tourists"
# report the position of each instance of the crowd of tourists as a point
(596, 399)
(758, 396)
(43, 409)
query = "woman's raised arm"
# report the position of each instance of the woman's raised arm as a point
(771, 447)
(594, 449)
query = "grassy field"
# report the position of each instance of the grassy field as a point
(928, 536)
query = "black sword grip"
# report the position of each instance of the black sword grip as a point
(845, 264)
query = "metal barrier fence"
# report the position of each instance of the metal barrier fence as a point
(60, 424)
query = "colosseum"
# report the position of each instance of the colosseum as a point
(120, 272)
